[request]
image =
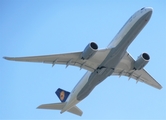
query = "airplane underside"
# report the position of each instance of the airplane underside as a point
(113, 60)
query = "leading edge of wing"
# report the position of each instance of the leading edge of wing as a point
(41, 57)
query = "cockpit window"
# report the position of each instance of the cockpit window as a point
(142, 8)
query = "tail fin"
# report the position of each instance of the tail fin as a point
(60, 106)
(62, 94)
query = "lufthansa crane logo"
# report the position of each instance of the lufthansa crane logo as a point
(62, 95)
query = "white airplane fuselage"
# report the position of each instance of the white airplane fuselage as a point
(117, 48)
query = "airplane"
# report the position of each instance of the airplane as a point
(100, 64)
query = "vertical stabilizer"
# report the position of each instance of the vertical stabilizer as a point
(62, 94)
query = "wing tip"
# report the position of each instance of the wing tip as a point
(7, 58)
(39, 107)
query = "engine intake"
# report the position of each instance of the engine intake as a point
(142, 60)
(89, 51)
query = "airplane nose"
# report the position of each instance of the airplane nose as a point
(148, 12)
(149, 9)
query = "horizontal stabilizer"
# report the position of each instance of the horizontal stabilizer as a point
(53, 106)
(59, 106)
(75, 110)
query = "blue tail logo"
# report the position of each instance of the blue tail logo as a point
(62, 94)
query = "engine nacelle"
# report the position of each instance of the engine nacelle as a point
(142, 60)
(89, 51)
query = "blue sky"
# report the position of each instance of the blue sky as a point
(40, 27)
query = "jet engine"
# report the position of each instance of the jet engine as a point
(89, 51)
(142, 60)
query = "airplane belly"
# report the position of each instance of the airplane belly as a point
(95, 78)
(106, 68)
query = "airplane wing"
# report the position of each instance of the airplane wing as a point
(67, 59)
(125, 67)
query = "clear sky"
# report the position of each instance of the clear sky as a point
(39, 27)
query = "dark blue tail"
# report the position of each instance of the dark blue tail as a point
(62, 94)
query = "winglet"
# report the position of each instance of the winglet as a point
(4, 57)
(8, 58)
